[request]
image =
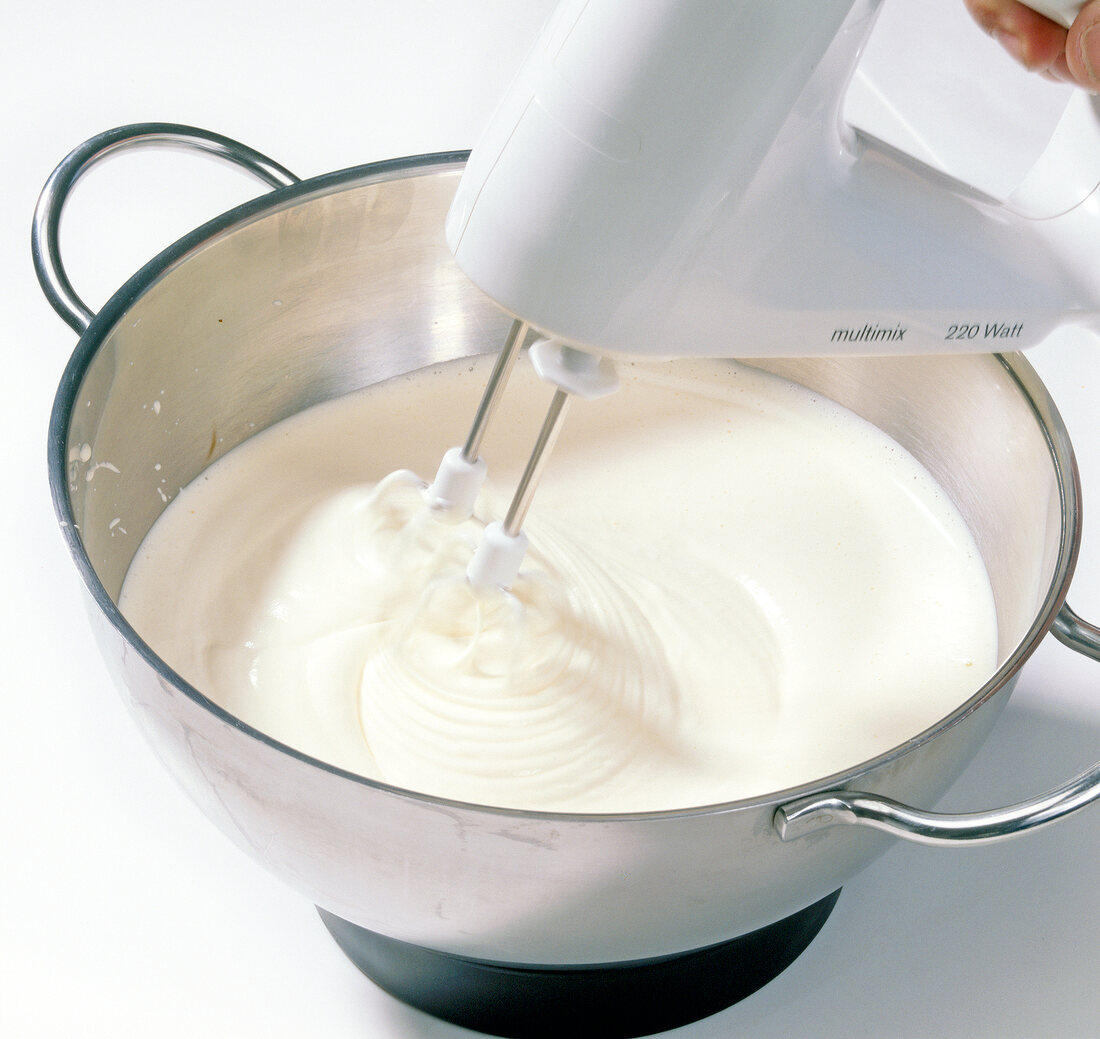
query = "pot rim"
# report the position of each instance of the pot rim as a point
(1016, 365)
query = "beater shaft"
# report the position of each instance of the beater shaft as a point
(574, 373)
(506, 360)
(529, 481)
(461, 471)
(500, 553)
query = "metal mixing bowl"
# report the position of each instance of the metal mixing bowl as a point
(329, 285)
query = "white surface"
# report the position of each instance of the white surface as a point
(123, 912)
(1063, 11)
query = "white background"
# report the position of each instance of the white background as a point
(122, 912)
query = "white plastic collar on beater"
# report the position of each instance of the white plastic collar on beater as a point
(498, 558)
(577, 372)
(457, 483)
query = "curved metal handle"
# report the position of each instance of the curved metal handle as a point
(850, 808)
(47, 214)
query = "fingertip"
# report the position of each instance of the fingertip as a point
(1060, 72)
(1034, 41)
(1083, 47)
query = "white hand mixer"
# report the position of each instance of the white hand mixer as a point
(677, 178)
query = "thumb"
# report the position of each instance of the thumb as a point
(1083, 47)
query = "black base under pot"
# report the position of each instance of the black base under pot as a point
(611, 1000)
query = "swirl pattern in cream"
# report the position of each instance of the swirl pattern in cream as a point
(732, 588)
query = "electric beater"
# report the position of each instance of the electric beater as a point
(684, 178)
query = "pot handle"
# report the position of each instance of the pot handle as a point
(850, 808)
(47, 214)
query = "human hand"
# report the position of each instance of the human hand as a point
(1043, 46)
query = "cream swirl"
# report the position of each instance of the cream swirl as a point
(563, 692)
(732, 587)
(535, 696)
(538, 696)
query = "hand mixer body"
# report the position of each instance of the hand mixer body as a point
(674, 178)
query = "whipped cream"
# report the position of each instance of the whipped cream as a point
(733, 587)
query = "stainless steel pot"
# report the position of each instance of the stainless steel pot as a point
(331, 284)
